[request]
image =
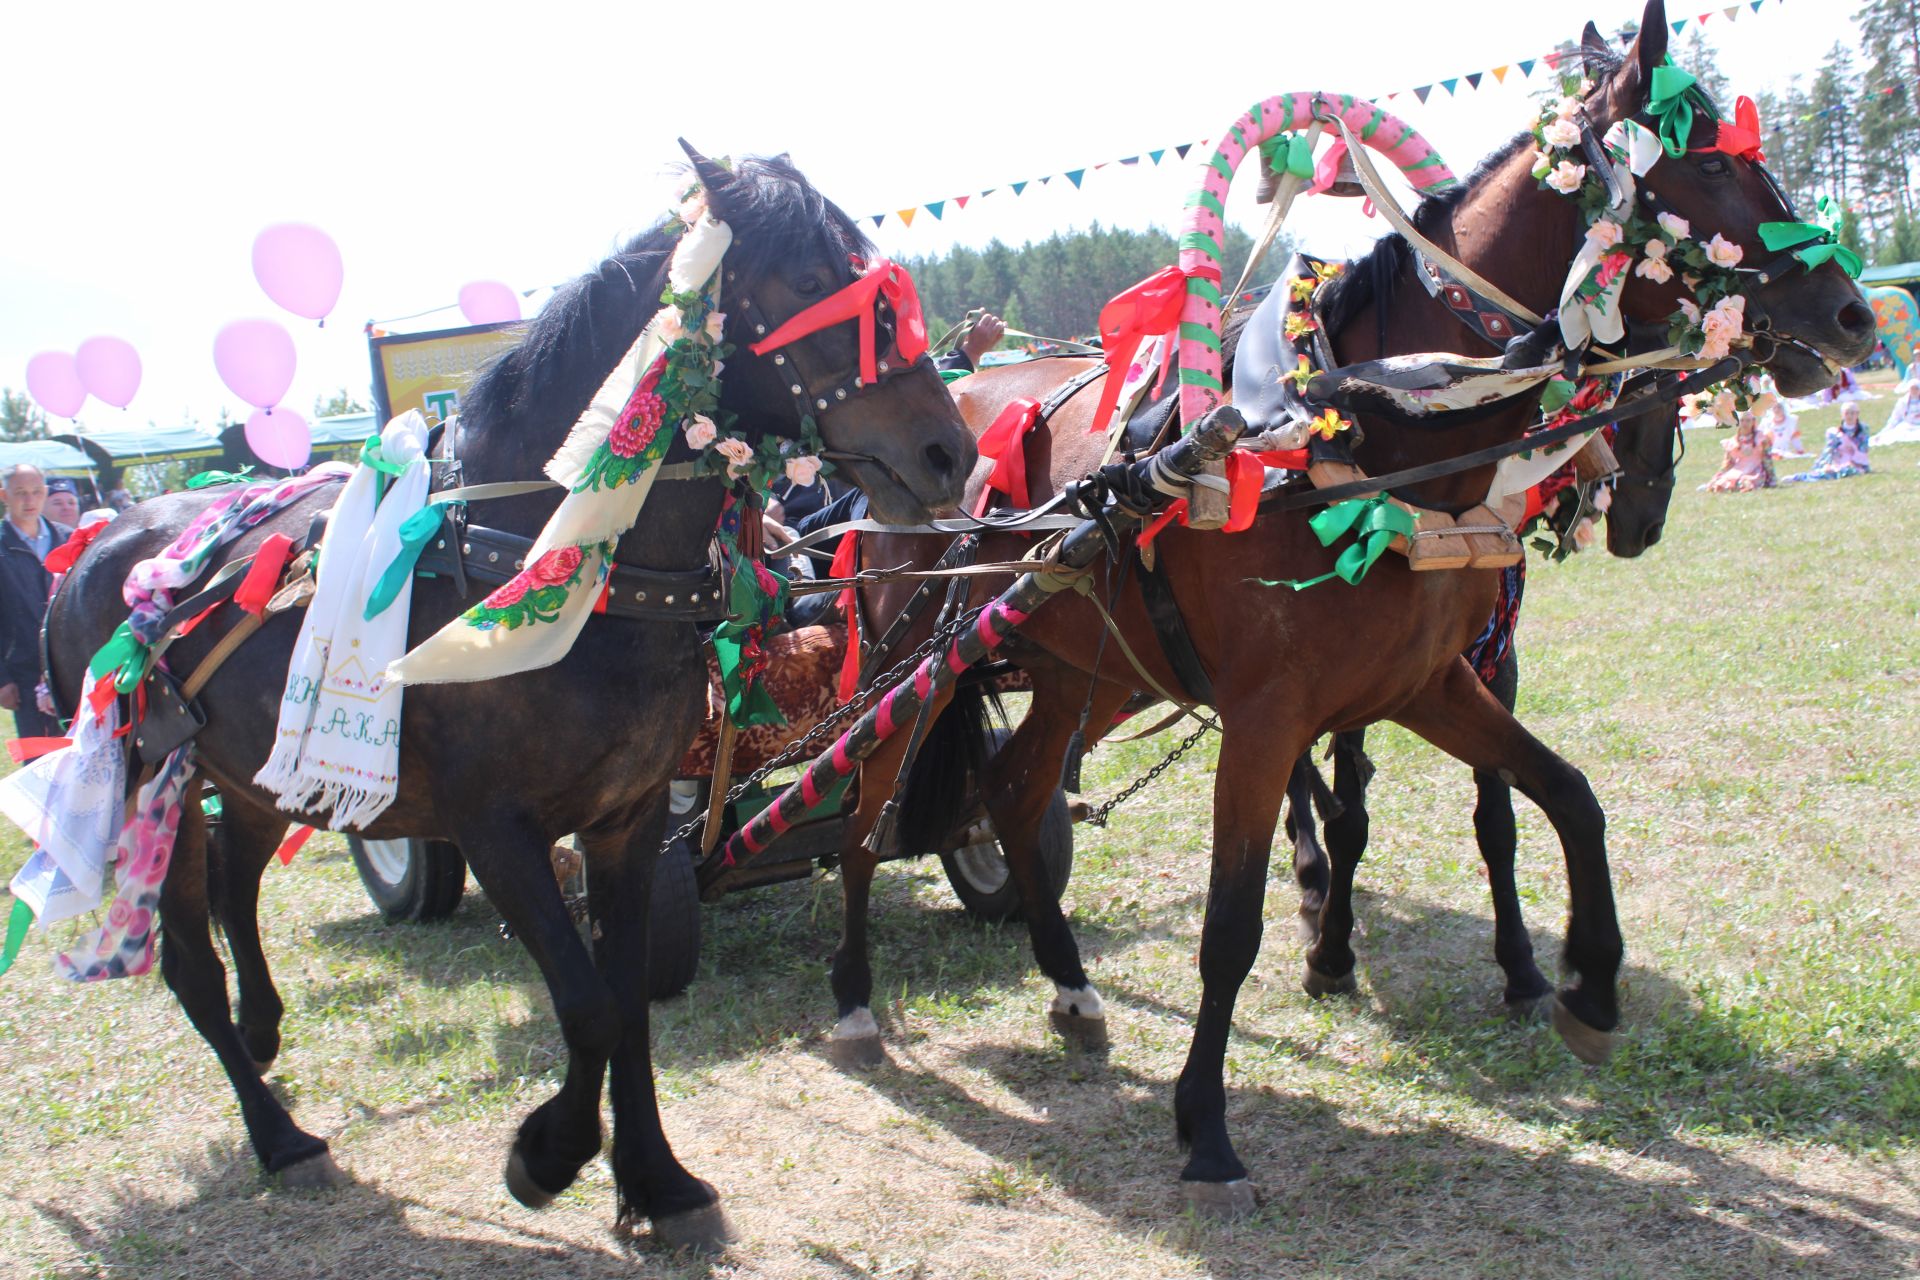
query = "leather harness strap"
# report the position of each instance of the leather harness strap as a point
(1170, 628)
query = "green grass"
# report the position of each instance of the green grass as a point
(1746, 702)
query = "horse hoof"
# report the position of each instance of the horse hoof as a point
(1089, 1035)
(522, 1187)
(703, 1230)
(857, 1053)
(1531, 1009)
(1588, 1044)
(1234, 1199)
(313, 1173)
(1320, 986)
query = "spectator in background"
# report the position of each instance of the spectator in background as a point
(1785, 430)
(1748, 466)
(25, 539)
(1903, 424)
(63, 502)
(1846, 450)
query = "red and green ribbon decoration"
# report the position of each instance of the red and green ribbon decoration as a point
(1813, 243)
(756, 595)
(1374, 522)
(1667, 103)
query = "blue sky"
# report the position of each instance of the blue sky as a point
(441, 143)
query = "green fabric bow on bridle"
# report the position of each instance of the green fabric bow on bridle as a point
(126, 653)
(205, 478)
(1819, 242)
(415, 532)
(1373, 521)
(1667, 103)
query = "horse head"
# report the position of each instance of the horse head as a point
(823, 333)
(1806, 322)
(1642, 491)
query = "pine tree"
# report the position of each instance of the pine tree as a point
(1697, 56)
(20, 418)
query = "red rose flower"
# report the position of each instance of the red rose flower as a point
(556, 566)
(508, 593)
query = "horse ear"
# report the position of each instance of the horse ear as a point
(712, 176)
(1594, 52)
(1650, 47)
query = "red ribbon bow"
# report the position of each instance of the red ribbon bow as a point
(1145, 310)
(1005, 443)
(1741, 135)
(846, 563)
(859, 300)
(61, 558)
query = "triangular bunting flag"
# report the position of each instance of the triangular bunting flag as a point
(1103, 164)
(1676, 24)
(962, 200)
(1130, 160)
(1500, 73)
(1756, 5)
(1473, 81)
(1074, 176)
(1182, 150)
(879, 218)
(1702, 19)
(1422, 91)
(934, 208)
(1393, 95)
(1448, 85)
(1018, 187)
(906, 215)
(1732, 12)
(1526, 68)
(1044, 181)
(1157, 154)
(1552, 60)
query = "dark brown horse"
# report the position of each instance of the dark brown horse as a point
(1286, 667)
(506, 767)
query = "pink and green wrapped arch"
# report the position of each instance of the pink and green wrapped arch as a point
(1202, 225)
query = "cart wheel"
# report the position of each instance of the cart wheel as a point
(673, 923)
(982, 880)
(410, 879)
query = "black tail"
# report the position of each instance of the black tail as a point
(940, 791)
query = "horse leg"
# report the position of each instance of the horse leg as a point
(1246, 807)
(1457, 713)
(1527, 990)
(650, 1181)
(508, 855)
(1330, 960)
(194, 973)
(1019, 785)
(249, 835)
(856, 1043)
(1310, 870)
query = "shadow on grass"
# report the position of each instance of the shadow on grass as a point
(238, 1223)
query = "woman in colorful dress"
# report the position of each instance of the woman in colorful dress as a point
(1785, 430)
(1749, 465)
(1846, 451)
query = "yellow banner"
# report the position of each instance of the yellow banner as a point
(431, 371)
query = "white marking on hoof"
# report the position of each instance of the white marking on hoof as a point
(858, 1025)
(1077, 1002)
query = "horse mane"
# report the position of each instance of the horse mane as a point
(590, 322)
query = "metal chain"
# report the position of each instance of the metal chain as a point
(799, 747)
(1098, 818)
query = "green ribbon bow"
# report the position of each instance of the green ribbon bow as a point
(373, 456)
(415, 532)
(18, 923)
(125, 653)
(1373, 522)
(206, 478)
(1819, 242)
(1286, 153)
(749, 606)
(1667, 103)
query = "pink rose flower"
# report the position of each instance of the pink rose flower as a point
(637, 425)
(1656, 249)
(1567, 177)
(667, 325)
(716, 325)
(1605, 233)
(737, 452)
(1723, 252)
(1690, 310)
(1562, 133)
(700, 431)
(803, 470)
(508, 593)
(1675, 225)
(1565, 109)
(1654, 269)
(556, 566)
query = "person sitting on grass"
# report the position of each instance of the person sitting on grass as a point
(1749, 465)
(1903, 424)
(1785, 430)
(1846, 451)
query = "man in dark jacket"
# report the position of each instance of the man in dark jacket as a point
(26, 537)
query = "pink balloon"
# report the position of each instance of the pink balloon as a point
(280, 438)
(299, 267)
(110, 368)
(489, 302)
(255, 359)
(53, 378)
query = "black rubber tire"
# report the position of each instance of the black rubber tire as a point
(673, 923)
(424, 880)
(979, 873)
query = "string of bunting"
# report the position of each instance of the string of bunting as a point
(1454, 86)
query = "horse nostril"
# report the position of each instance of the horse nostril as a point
(940, 460)
(1856, 319)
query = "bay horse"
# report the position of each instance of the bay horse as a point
(1287, 667)
(1634, 522)
(506, 767)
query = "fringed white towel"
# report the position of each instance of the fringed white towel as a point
(337, 746)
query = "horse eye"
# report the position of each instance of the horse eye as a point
(808, 287)
(1713, 168)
